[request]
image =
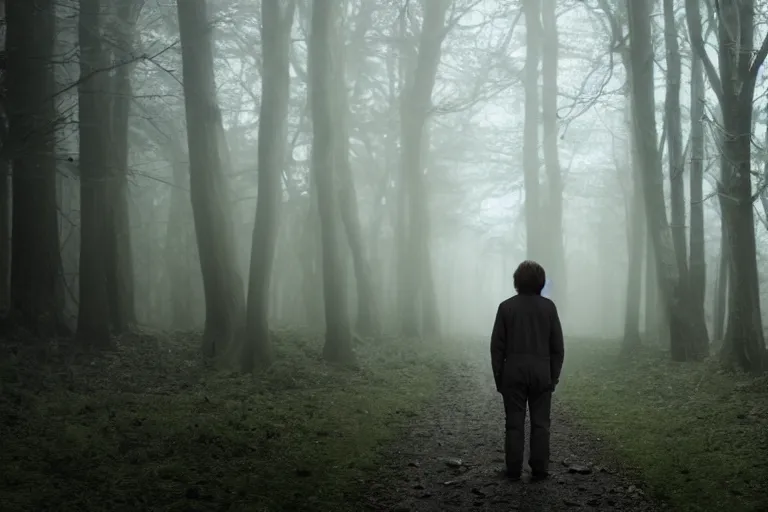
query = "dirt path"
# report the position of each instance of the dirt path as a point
(452, 460)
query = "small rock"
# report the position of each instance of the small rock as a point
(425, 495)
(477, 492)
(454, 463)
(414, 464)
(571, 503)
(579, 469)
(594, 502)
(451, 483)
(418, 487)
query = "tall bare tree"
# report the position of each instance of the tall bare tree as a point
(119, 254)
(276, 24)
(367, 322)
(697, 277)
(93, 322)
(697, 345)
(37, 286)
(208, 157)
(644, 109)
(321, 66)
(419, 304)
(734, 86)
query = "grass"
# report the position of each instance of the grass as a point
(148, 428)
(696, 435)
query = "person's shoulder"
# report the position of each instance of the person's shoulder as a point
(547, 303)
(506, 303)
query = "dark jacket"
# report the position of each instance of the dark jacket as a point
(527, 344)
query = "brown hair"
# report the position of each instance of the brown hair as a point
(529, 278)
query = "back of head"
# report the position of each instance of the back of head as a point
(529, 278)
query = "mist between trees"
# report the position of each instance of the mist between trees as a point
(380, 167)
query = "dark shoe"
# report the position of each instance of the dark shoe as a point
(537, 476)
(512, 477)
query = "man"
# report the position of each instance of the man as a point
(527, 356)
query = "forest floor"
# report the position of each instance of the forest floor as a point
(631, 434)
(416, 427)
(147, 427)
(453, 459)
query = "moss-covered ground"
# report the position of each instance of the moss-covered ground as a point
(696, 435)
(147, 427)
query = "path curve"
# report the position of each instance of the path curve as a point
(451, 460)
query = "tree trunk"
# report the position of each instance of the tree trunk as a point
(367, 311)
(321, 66)
(697, 277)
(224, 294)
(531, 9)
(696, 346)
(636, 225)
(652, 307)
(743, 344)
(276, 24)
(555, 253)
(177, 249)
(675, 138)
(415, 110)
(119, 259)
(37, 286)
(94, 316)
(5, 231)
(721, 287)
(681, 326)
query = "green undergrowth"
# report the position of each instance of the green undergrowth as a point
(148, 428)
(696, 435)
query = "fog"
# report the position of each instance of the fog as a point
(253, 252)
(472, 164)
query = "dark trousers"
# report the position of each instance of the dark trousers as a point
(540, 405)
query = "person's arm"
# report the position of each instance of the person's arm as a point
(556, 348)
(498, 347)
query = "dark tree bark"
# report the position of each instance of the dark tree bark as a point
(93, 321)
(721, 287)
(5, 191)
(681, 326)
(321, 66)
(697, 346)
(119, 254)
(276, 24)
(698, 268)
(37, 286)
(743, 343)
(636, 224)
(224, 294)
